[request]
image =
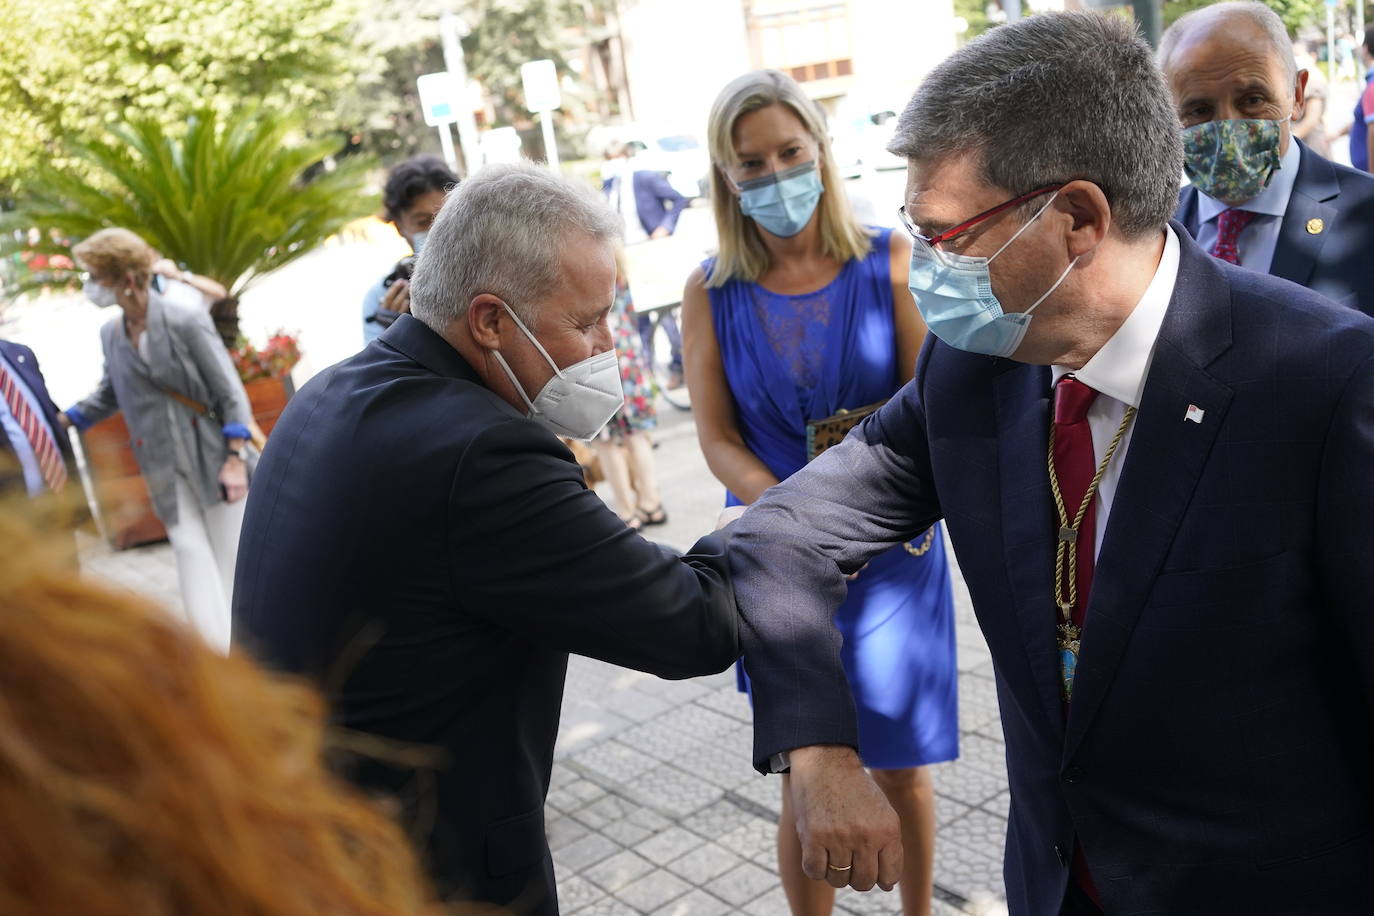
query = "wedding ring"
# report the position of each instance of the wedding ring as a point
(838, 867)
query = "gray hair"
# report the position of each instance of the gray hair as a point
(502, 232)
(1217, 15)
(1053, 98)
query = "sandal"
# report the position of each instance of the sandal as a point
(634, 522)
(654, 516)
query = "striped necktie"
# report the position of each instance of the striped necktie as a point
(36, 431)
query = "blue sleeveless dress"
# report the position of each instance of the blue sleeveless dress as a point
(790, 359)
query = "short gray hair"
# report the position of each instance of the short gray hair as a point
(1053, 98)
(1217, 14)
(502, 232)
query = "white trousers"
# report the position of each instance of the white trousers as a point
(206, 544)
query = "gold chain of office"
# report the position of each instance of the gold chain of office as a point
(1066, 550)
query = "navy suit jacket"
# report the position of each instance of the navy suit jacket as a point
(657, 204)
(1217, 756)
(431, 557)
(1336, 261)
(21, 358)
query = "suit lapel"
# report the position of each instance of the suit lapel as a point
(1187, 210)
(1023, 416)
(1166, 457)
(1298, 250)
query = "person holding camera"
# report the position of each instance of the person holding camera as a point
(414, 192)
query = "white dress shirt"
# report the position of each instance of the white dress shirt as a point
(1259, 239)
(1118, 372)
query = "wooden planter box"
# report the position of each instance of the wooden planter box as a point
(121, 496)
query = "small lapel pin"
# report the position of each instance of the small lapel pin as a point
(1315, 226)
(1194, 413)
(21, 357)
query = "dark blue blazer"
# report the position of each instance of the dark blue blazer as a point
(1336, 261)
(658, 205)
(1217, 756)
(430, 557)
(26, 364)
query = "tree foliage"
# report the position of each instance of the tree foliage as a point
(1297, 15)
(72, 67)
(228, 196)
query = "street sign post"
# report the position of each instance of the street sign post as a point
(441, 98)
(542, 97)
(452, 29)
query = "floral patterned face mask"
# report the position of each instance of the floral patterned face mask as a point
(1232, 161)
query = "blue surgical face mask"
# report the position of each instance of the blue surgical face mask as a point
(417, 241)
(954, 295)
(782, 203)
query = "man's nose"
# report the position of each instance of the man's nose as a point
(604, 339)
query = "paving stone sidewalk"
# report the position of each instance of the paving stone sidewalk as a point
(655, 808)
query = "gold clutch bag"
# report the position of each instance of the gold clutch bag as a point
(829, 431)
(823, 433)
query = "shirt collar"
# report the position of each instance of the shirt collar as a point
(1118, 370)
(1273, 200)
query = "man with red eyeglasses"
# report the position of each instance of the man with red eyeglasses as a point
(1153, 465)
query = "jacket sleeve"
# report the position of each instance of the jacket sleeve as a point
(672, 201)
(790, 554)
(552, 562)
(101, 402)
(217, 371)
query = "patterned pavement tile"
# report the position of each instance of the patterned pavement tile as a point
(717, 819)
(730, 702)
(672, 791)
(653, 891)
(755, 839)
(614, 761)
(976, 830)
(704, 863)
(560, 831)
(696, 903)
(742, 884)
(576, 892)
(621, 869)
(669, 846)
(582, 853)
(773, 903)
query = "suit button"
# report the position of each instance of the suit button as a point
(1063, 859)
(1073, 774)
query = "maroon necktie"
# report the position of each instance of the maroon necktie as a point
(1230, 223)
(36, 431)
(1074, 466)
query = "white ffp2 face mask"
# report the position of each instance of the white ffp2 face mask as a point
(579, 400)
(102, 296)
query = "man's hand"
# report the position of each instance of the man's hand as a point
(660, 233)
(397, 298)
(233, 477)
(843, 819)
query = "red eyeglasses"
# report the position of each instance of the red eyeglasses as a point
(932, 242)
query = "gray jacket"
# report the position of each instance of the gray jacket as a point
(185, 355)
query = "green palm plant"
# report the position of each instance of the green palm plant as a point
(231, 198)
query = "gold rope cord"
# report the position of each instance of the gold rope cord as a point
(1066, 547)
(925, 544)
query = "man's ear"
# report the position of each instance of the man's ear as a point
(1091, 214)
(485, 314)
(1299, 97)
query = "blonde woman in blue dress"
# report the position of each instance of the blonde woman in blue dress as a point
(804, 312)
